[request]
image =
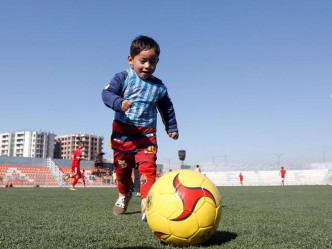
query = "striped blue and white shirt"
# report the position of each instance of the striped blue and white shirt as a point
(146, 96)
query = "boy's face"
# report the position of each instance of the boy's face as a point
(144, 63)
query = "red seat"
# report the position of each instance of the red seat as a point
(21, 175)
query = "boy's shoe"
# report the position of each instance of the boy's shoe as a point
(66, 177)
(143, 207)
(121, 204)
(72, 188)
(137, 194)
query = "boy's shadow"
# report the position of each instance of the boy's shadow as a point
(134, 212)
(220, 237)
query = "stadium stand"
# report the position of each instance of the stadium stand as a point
(23, 175)
(232, 178)
(33, 172)
(50, 172)
(271, 178)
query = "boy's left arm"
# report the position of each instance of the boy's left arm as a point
(167, 113)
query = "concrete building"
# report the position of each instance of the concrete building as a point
(65, 145)
(27, 144)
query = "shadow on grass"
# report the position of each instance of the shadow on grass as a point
(220, 237)
(135, 212)
(130, 247)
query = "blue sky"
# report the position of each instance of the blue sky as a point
(248, 79)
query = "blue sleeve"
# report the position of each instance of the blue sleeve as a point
(112, 93)
(167, 113)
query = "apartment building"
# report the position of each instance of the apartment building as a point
(27, 144)
(65, 145)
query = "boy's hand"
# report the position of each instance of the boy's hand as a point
(174, 135)
(125, 105)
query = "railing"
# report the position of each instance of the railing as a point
(328, 178)
(55, 170)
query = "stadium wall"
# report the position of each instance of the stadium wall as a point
(67, 163)
(12, 160)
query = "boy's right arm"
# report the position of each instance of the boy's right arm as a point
(112, 93)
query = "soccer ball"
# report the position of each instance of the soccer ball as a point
(183, 208)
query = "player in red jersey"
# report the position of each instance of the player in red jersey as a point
(241, 178)
(283, 174)
(75, 166)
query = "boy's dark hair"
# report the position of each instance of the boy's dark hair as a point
(141, 43)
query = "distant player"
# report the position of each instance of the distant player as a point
(83, 177)
(283, 174)
(136, 183)
(241, 178)
(75, 166)
(115, 179)
(198, 169)
(159, 173)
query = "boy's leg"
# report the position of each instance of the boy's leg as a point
(147, 173)
(123, 164)
(147, 168)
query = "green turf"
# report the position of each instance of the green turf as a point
(253, 217)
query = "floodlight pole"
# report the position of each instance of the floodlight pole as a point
(278, 155)
(182, 155)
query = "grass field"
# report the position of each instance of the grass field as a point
(253, 217)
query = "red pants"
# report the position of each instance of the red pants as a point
(76, 174)
(145, 160)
